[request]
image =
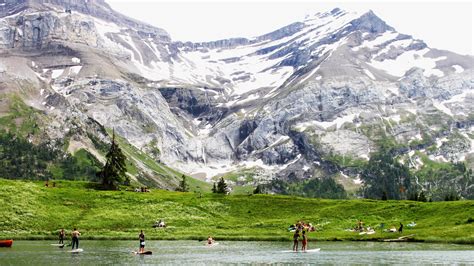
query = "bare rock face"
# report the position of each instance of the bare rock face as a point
(283, 105)
(32, 24)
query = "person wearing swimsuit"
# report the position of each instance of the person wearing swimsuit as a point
(210, 241)
(141, 238)
(61, 236)
(295, 240)
(304, 242)
(75, 238)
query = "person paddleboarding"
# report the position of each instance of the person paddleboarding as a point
(61, 236)
(75, 238)
(141, 238)
(296, 236)
(304, 241)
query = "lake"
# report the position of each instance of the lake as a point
(233, 252)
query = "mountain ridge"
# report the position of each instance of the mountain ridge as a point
(281, 105)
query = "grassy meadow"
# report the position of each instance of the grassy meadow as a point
(29, 210)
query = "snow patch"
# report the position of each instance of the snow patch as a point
(458, 69)
(74, 70)
(56, 73)
(386, 36)
(442, 108)
(399, 66)
(76, 60)
(368, 73)
(338, 122)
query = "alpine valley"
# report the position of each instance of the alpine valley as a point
(312, 100)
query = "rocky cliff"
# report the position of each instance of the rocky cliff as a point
(310, 99)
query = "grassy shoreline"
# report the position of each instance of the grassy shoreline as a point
(247, 239)
(34, 212)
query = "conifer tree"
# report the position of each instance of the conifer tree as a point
(221, 186)
(214, 188)
(113, 172)
(183, 185)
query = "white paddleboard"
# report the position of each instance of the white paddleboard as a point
(57, 245)
(213, 244)
(77, 250)
(299, 251)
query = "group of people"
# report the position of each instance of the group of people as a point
(160, 223)
(360, 227)
(141, 189)
(300, 229)
(74, 238)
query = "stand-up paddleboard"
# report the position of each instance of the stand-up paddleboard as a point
(58, 245)
(77, 250)
(299, 251)
(148, 252)
(212, 245)
(312, 250)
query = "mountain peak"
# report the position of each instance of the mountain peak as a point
(94, 8)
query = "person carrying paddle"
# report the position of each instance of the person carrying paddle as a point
(75, 238)
(141, 238)
(61, 236)
(296, 235)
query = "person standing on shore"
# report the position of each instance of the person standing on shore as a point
(141, 238)
(61, 236)
(75, 238)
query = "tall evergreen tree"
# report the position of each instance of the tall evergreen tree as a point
(221, 186)
(214, 188)
(259, 189)
(114, 171)
(183, 185)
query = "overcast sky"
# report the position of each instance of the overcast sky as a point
(443, 25)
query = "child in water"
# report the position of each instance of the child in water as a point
(210, 241)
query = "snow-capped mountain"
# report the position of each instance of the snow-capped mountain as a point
(287, 103)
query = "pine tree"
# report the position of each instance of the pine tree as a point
(259, 189)
(113, 172)
(221, 186)
(214, 188)
(183, 185)
(422, 197)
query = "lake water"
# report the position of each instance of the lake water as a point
(196, 253)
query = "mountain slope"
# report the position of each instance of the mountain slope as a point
(311, 99)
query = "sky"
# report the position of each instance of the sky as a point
(443, 25)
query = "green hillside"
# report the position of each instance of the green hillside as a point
(31, 210)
